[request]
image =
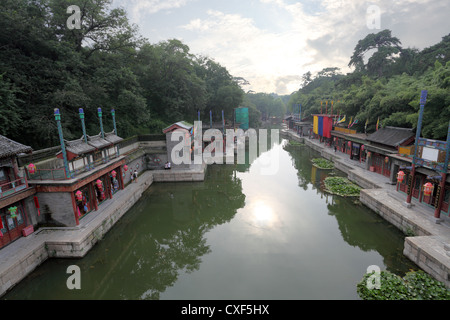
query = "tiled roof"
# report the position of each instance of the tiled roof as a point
(391, 136)
(78, 146)
(98, 142)
(178, 125)
(113, 138)
(9, 147)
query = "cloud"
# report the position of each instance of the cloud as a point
(272, 43)
(138, 8)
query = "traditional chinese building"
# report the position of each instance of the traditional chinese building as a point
(90, 173)
(383, 145)
(16, 196)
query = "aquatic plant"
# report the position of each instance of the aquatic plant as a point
(341, 186)
(322, 163)
(416, 285)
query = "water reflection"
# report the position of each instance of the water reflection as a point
(358, 226)
(237, 235)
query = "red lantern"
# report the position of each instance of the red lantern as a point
(349, 143)
(386, 159)
(125, 167)
(400, 176)
(99, 185)
(362, 148)
(427, 189)
(31, 168)
(113, 173)
(79, 195)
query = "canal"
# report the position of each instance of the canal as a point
(239, 234)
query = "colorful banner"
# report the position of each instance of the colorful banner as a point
(321, 126)
(316, 125)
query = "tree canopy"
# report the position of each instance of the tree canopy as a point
(386, 87)
(105, 63)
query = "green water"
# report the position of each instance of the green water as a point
(239, 234)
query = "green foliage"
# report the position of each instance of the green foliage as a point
(416, 285)
(388, 87)
(341, 186)
(323, 163)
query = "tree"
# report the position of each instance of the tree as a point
(385, 44)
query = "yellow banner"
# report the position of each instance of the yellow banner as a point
(316, 125)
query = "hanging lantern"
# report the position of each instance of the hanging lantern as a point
(125, 167)
(113, 173)
(386, 159)
(362, 148)
(400, 176)
(427, 189)
(31, 168)
(369, 154)
(79, 195)
(349, 143)
(12, 211)
(99, 184)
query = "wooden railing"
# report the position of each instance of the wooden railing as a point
(12, 187)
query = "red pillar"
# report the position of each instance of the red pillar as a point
(440, 199)
(410, 184)
(75, 207)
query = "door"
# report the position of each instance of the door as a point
(11, 228)
(416, 188)
(445, 202)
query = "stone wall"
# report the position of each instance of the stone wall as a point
(56, 208)
(431, 259)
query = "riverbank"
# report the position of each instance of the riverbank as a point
(427, 243)
(24, 255)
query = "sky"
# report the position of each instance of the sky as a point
(272, 43)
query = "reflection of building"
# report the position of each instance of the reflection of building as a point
(16, 196)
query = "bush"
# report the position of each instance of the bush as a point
(323, 163)
(416, 285)
(341, 186)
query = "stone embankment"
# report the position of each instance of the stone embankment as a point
(22, 256)
(427, 243)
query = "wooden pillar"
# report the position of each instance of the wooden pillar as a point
(75, 207)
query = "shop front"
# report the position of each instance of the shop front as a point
(97, 191)
(12, 221)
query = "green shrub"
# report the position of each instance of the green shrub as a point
(416, 285)
(341, 186)
(323, 163)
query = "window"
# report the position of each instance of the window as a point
(447, 195)
(10, 221)
(19, 216)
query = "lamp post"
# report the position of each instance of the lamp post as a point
(113, 113)
(61, 140)
(83, 126)
(423, 99)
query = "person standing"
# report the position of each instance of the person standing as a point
(135, 175)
